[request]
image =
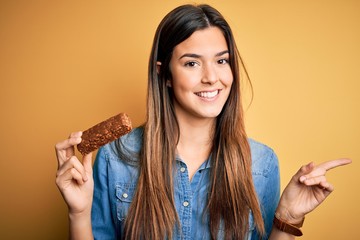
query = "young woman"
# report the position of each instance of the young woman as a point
(190, 172)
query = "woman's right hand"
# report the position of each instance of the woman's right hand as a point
(73, 178)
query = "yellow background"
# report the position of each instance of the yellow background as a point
(66, 65)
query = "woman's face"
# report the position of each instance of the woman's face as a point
(201, 74)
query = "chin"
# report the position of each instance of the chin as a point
(214, 114)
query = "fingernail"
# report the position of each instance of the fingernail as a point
(302, 178)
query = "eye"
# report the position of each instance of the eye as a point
(191, 64)
(223, 61)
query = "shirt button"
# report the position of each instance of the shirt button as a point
(185, 204)
(125, 195)
(182, 169)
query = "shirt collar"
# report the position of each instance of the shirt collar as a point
(204, 165)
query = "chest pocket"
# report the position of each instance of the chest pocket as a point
(124, 196)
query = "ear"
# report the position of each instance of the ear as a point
(158, 64)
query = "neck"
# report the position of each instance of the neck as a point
(196, 131)
(195, 141)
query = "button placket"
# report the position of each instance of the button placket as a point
(185, 210)
(186, 203)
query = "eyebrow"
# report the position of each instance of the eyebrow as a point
(194, 55)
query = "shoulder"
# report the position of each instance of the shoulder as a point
(264, 159)
(131, 141)
(127, 146)
(118, 161)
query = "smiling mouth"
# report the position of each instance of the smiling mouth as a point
(208, 94)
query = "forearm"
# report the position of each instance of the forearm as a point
(80, 227)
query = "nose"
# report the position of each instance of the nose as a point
(210, 75)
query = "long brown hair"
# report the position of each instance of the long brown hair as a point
(152, 214)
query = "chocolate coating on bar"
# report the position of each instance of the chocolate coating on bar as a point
(104, 132)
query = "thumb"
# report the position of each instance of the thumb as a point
(299, 176)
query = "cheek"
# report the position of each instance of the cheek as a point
(225, 75)
(229, 78)
(229, 81)
(180, 88)
(184, 81)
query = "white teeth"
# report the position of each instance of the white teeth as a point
(208, 94)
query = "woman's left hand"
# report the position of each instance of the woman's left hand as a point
(307, 189)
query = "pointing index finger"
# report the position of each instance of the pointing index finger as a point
(335, 163)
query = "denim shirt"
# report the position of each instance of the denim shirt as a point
(116, 180)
